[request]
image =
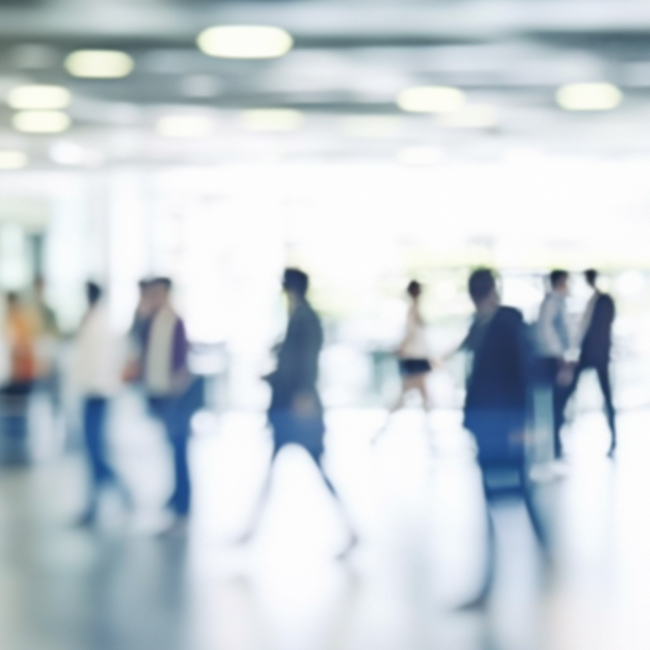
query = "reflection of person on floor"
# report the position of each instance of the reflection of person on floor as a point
(95, 375)
(595, 350)
(496, 404)
(167, 380)
(296, 412)
(553, 341)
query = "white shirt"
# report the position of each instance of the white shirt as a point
(552, 330)
(97, 355)
(415, 344)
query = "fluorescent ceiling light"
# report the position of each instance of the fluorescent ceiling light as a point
(41, 121)
(38, 97)
(431, 99)
(272, 119)
(99, 64)
(245, 42)
(184, 126)
(476, 116)
(588, 97)
(13, 159)
(418, 156)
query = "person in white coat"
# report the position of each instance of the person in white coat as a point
(96, 376)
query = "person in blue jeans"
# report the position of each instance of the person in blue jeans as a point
(96, 375)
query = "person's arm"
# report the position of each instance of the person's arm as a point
(180, 371)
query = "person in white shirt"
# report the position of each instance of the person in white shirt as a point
(96, 376)
(553, 342)
(413, 354)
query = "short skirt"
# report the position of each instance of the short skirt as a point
(411, 367)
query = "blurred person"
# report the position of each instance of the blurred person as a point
(95, 375)
(296, 412)
(46, 317)
(138, 331)
(413, 354)
(553, 342)
(595, 350)
(496, 409)
(167, 382)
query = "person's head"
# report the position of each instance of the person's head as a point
(93, 293)
(414, 289)
(295, 283)
(158, 291)
(559, 281)
(482, 288)
(591, 275)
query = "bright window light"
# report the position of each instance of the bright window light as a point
(38, 97)
(588, 97)
(272, 119)
(99, 64)
(13, 159)
(431, 99)
(41, 121)
(184, 126)
(245, 42)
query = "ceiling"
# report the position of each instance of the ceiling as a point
(350, 60)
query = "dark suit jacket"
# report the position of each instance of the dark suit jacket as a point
(498, 388)
(597, 342)
(297, 369)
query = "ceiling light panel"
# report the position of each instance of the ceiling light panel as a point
(245, 42)
(38, 97)
(13, 159)
(99, 64)
(431, 99)
(588, 97)
(41, 122)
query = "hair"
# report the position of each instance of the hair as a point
(557, 277)
(93, 292)
(162, 282)
(295, 281)
(414, 289)
(12, 297)
(145, 283)
(590, 276)
(481, 284)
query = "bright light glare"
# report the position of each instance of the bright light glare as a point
(41, 121)
(272, 119)
(71, 153)
(370, 126)
(245, 42)
(431, 99)
(184, 126)
(38, 97)
(418, 156)
(588, 97)
(13, 159)
(99, 64)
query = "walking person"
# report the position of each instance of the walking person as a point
(296, 413)
(595, 350)
(552, 335)
(95, 375)
(496, 407)
(167, 382)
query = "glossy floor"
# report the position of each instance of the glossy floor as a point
(416, 500)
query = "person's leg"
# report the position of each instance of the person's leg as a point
(561, 397)
(177, 425)
(420, 384)
(93, 418)
(602, 370)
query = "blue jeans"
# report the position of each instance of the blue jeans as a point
(175, 417)
(94, 420)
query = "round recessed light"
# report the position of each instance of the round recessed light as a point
(431, 99)
(38, 97)
(245, 41)
(13, 159)
(184, 126)
(588, 97)
(99, 64)
(272, 119)
(41, 121)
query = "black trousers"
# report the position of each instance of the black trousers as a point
(546, 371)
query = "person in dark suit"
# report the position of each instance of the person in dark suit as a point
(497, 402)
(296, 412)
(595, 349)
